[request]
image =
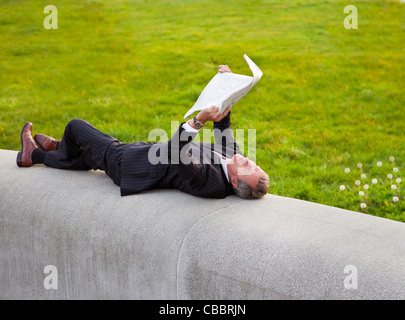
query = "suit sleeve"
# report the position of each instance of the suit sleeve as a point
(224, 136)
(199, 176)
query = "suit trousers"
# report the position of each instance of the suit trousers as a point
(83, 147)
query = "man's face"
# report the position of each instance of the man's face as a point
(244, 169)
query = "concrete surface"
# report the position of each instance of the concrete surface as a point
(164, 244)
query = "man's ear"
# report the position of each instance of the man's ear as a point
(234, 182)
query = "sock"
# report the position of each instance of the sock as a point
(38, 156)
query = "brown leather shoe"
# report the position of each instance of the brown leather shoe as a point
(46, 143)
(28, 145)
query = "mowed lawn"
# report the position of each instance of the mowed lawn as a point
(330, 98)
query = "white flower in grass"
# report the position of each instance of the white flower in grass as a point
(347, 170)
(379, 164)
(374, 181)
(359, 165)
(393, 187)
(392, 159)
(395, 169)
(395, 199)
(361, 193)
(389, 176)
(363, 205)
(357, 182)
(366, 187)
(363, 176)
(398, 180)
(342, 187)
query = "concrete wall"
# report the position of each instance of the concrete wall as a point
(164, 244)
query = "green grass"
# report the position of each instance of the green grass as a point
(329, 97)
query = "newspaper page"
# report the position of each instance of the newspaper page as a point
(225, 89)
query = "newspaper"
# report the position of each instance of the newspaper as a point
(225, 89)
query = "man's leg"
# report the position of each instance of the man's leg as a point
(82, 148)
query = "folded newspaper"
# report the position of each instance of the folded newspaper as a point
(225, 89)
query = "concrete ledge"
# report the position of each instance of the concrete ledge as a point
(165, 244)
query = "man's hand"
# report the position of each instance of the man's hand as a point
(212, 114)
(224, 68)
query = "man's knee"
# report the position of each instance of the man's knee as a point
(76, 123)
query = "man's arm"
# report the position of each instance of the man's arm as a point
(224, 136)
(200, 176)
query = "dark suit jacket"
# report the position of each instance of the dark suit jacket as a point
(201, 173)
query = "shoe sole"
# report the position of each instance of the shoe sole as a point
(19, 155)
(19, 159)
